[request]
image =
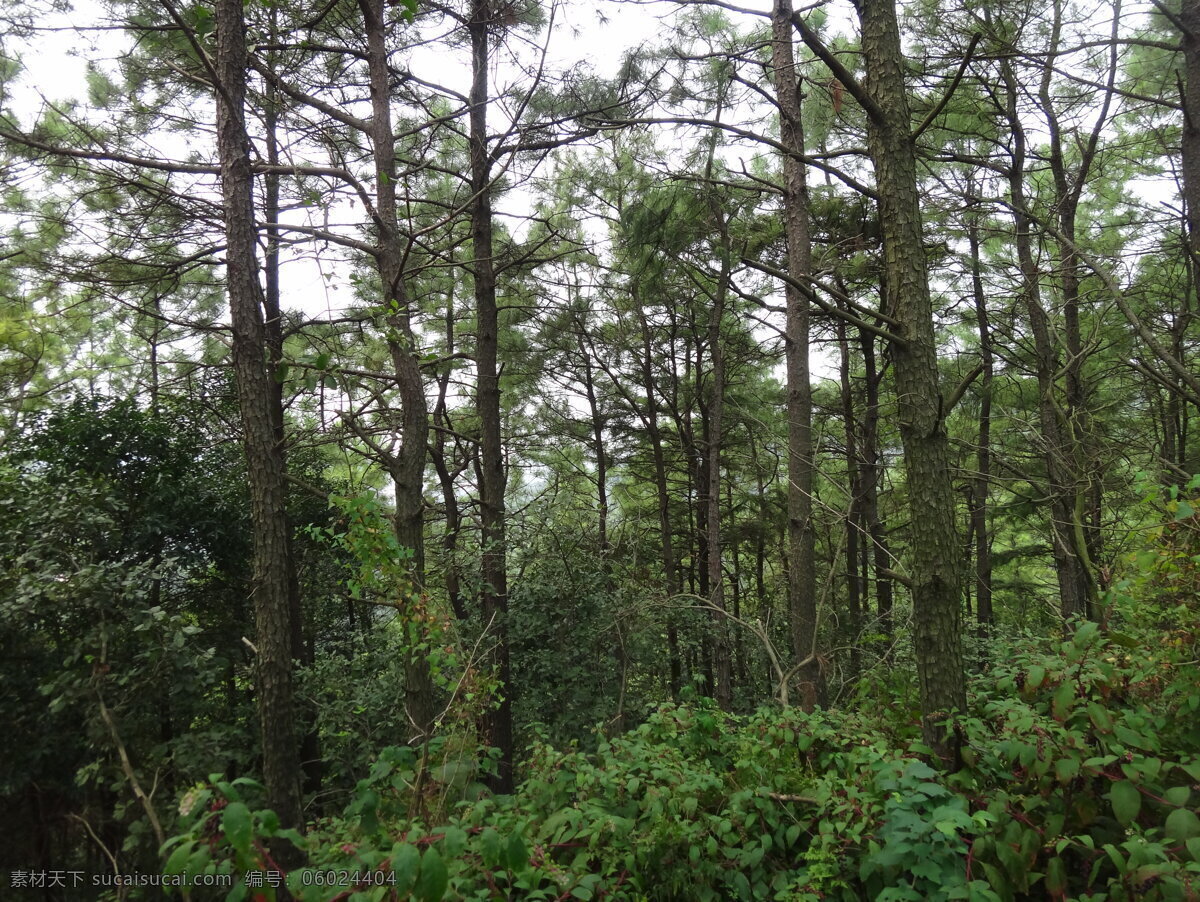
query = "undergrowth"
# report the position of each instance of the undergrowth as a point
(1080, 778)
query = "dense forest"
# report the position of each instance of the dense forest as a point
(468, 450)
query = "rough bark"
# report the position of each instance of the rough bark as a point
(663, 496)
(802, 579)
(933, 540)
(983, 465)
(697, 465)
(596, 421)
(407, 465)
(722, 664)
(498, 727)
(1072, 582)
(273, 325)
(872, 475)
(1080, 454)
(853, 524)
(446, 477)
(1189, 17)
(1181, 411)
(273, 620)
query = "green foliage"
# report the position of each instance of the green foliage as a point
(693, 804)
(221, 835)
(125, 554)
(355, 683)
(1086, 763)
(574, 640)
(375, 560)
(920, 850)
(1080, 760)
(118, 594)
(1165, 569)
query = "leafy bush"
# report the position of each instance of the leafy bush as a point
(1079, 780)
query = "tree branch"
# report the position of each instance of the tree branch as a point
(822, 303)
(937, 110)
(856, 88)
(962, 389)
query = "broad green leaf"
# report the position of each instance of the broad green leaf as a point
(292, 836)
(1066, 769)
(1192, 769)
(741, 885)
(1037, 674)
(996, 879)
(433, 879)
(178, 859)
(1064, 697)
(1193, 847)
(453, 842)
(1100, 718)
(1085, 634)
(1056, 876)
(1182, 824)
(1126, 802)
(516, 856)
(1132, 738)
(489, 844)
(1178, 795)
(238, 826)
(406, 859)
(197, 863)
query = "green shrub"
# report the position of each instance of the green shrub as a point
(1079, 780)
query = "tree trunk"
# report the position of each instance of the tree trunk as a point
(722, 665)
(872, 473)
(1080, 456)
(407, 466)
(802, 580)
(853, 525)
(447, 478)
(1072, 582)
(980, 484)
(1189, 16)
(306, 717)
(598, 449)
(273, 620)
(933, 540)
(663, 496)
(498, 726)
